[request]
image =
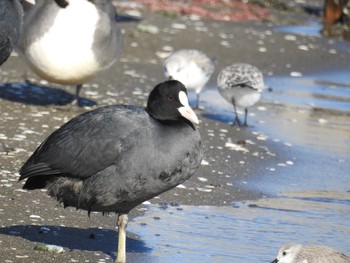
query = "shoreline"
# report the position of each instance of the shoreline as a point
(234, 158)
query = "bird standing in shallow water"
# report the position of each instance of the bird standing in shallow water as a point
(114, 158)
(70, 41)
(191, 67)
(296, 253)
(241, 84)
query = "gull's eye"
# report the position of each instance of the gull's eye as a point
(170, 98)
(284, 253)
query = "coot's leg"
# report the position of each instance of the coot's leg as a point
(122, 223)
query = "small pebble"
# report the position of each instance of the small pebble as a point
(296, 74)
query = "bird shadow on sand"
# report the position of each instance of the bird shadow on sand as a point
(127, 19)
(227, 118)
(72, 238)
(221, 117)
(34, 94)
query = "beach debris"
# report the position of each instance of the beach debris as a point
(202, 179)
(262, 137)
(24, 256)
(148, 28)
(48, 248)
(303, 47)
(133, 13)
(44, 230)
(225, 43)
(322, 121)
(163, 54)
(290, 37)
(204, 162)
(207, 190)
(178, 26)
(296, 74)
(236, 147)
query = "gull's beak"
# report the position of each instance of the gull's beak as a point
(186, 110)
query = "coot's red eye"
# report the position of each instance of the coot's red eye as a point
(170, 98)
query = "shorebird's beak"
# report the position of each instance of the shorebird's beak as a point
(275, 261)
(186, 110)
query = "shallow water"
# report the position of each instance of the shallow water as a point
(312, 110)
(311, 29)
(310, 113)
(245, 233)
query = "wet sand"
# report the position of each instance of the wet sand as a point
(235, 159)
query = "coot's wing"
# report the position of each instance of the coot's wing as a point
(86, 144)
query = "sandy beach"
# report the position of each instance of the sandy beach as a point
(243, 168)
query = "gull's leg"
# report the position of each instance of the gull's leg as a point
(122, 223)
(76, 97)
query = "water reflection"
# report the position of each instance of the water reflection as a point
(311, 29)
(312, 110)
(250, 232)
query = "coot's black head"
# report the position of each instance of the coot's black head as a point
(168, 102)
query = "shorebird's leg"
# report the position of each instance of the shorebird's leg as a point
(197, 101)
(122, 223)
(236, 115)
(245, 117)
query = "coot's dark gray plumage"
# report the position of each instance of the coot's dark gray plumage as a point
(70, 41)
(113, 158)
(11, 19)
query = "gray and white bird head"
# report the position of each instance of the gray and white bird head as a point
(287, 254)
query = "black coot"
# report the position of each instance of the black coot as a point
(114, 158)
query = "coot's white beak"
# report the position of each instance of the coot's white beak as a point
(186, 110)
(30, 2)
